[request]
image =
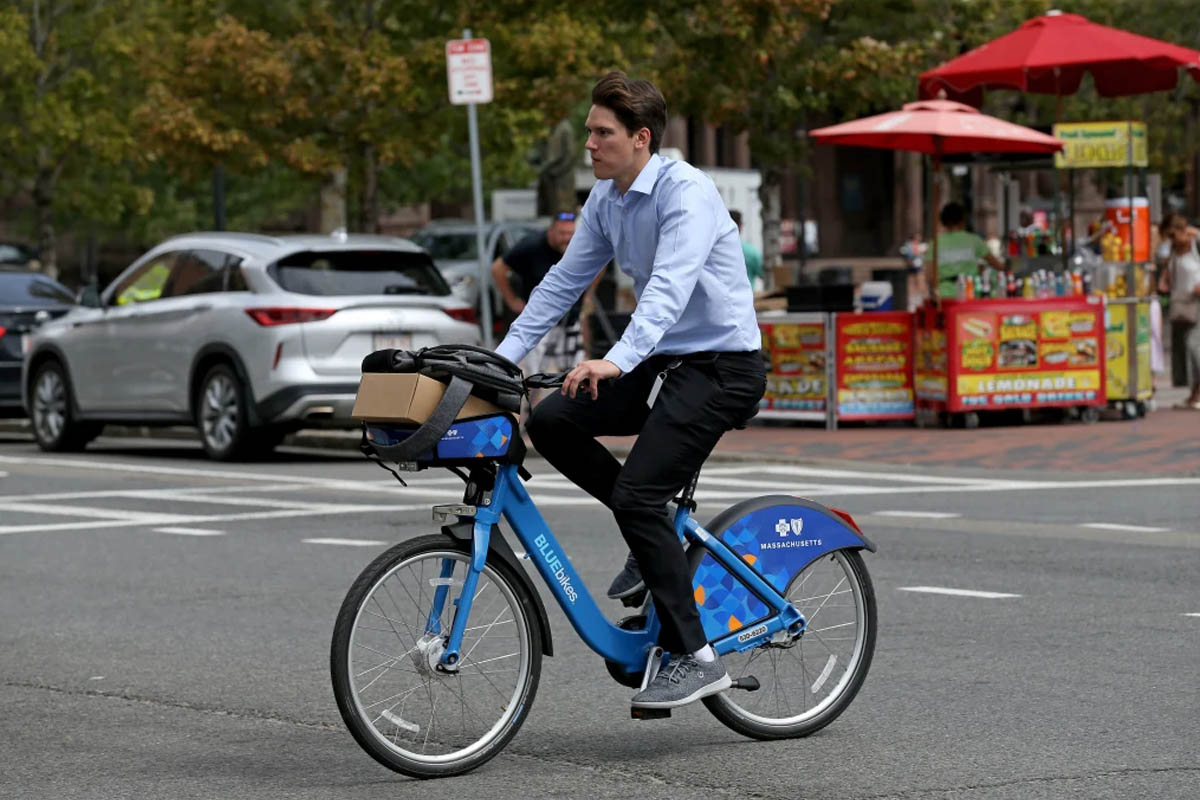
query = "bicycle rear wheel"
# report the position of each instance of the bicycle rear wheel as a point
(390, 633)
(807, 682)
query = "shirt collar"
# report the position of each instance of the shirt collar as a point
(644, 182)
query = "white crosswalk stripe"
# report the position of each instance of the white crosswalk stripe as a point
(222, 495)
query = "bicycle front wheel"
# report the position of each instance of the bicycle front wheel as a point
(807, 682)
(390, 633)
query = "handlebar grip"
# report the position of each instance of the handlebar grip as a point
(545, 380)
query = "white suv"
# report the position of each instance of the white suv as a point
(247, 337)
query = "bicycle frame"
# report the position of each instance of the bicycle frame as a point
(510, 501)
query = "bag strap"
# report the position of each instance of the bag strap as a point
(432, 430)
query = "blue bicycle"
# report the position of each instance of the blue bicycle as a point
(437, 648)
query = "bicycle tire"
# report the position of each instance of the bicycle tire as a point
(739, 717)
(352, 687)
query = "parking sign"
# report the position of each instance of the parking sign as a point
(469, 71)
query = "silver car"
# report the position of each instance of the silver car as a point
(246, 337)
(452, 244)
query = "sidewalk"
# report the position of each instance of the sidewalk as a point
(1165, 442)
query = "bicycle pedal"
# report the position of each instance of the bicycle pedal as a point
(649, 713)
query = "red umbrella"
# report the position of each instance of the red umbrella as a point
(1049, 54)
(938, 128)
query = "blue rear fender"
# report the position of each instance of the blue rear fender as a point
(778, 536)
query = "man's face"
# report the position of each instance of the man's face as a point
(612, 147)
(560, 234)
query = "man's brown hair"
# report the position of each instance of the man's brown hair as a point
(636, 103)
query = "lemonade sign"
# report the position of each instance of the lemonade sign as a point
(1101, 144)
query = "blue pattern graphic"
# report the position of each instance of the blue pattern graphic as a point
(483, 437)
(778, 542)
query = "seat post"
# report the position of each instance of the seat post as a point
(686, 498)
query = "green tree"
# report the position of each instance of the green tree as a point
(67, 81)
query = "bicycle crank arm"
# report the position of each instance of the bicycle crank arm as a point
(749, 683)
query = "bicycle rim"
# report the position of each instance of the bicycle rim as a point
(806, 683)
(411, 716)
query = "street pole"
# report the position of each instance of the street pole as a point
(485, 290)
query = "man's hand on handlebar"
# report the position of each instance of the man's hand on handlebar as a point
(588, 376)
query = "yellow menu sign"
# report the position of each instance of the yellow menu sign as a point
(1101, 144)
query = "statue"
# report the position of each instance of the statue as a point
(556, 177)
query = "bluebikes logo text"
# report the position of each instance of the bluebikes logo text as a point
(556, 566)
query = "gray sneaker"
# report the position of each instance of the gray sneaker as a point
(628, 581)
(684, 680)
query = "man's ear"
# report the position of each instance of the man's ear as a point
(641, 138)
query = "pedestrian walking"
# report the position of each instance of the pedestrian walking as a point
(1181, 281)
(753, 256)
(686, 369)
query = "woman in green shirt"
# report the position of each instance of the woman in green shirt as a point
(959, 251)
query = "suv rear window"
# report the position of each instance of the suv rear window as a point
(350, 272)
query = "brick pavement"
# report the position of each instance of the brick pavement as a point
(1165, 442)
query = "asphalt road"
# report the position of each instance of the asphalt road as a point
(165, 624)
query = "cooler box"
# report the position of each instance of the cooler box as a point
(876, 296)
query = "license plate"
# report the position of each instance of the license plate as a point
(392, 341)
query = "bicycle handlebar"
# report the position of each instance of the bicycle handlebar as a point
(545, 380)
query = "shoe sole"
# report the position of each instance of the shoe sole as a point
(716, 687)
(640, 586)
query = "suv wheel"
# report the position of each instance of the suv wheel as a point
(54, 426)
(221, 415)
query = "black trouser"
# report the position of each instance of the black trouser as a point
(701, 398)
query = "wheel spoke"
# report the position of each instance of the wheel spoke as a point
(395, 692)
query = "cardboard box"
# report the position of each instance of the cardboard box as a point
(407, 397)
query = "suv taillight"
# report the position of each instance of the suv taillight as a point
(287, 316)
(464, 314)
(2, 331)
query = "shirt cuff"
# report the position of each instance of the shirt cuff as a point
(510, 349)
(623, 356)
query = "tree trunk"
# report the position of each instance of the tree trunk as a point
(370, 190)
(333, 202)
(768, 195)
(43, 201)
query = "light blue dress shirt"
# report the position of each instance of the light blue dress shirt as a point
(673, 235)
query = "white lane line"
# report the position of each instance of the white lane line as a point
(189, 531)
(917, 514)
(348, 542)
(820, 472)
(957, 592)
(98, 513)
(285, 513)
(1191, 614)
(1112, 526)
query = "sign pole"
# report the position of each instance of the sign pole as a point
(469, 74)
(485, 285)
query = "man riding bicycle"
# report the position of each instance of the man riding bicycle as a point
(686, 369)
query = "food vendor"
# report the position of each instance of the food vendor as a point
(959, 252)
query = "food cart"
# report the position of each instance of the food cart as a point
(1009, 353)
